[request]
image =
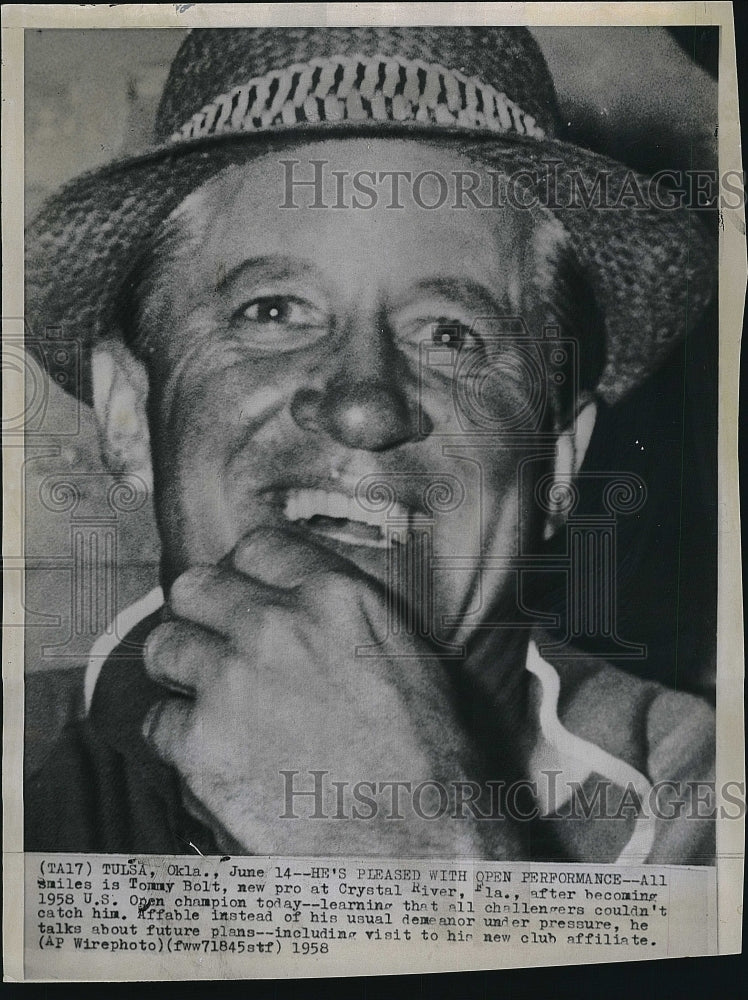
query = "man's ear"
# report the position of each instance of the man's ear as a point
(570, 451)
(120, 393)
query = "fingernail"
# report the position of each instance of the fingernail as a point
(150, 723)
(188, 587)
(158, 638)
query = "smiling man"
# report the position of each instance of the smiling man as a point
(352, 339)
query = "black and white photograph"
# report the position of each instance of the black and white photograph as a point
(371, 495)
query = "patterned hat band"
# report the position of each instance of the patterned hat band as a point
(359, 89)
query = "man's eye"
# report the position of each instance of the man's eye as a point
(283, 311)
(449, 333)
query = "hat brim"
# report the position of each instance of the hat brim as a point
(652, 269)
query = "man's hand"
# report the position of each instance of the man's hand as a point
(272, 684)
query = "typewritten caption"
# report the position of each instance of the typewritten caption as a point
(263, 916)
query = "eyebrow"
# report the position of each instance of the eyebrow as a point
(276, 267)
(463, 290)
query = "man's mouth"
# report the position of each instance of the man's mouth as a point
(341, 517)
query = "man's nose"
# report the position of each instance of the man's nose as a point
(367, 405)
(368, 416)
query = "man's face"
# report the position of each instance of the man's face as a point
(293, 381)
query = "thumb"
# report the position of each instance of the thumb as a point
(282, 558)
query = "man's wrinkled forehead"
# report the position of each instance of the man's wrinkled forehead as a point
(346, 220)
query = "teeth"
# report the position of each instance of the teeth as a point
(301, 505)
